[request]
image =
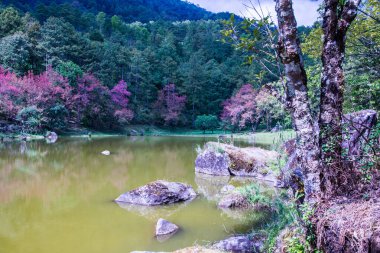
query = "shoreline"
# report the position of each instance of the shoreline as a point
(268, 138)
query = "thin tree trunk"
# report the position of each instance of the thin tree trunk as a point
(336, 22)
(297, 100)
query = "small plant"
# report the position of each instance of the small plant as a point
(294, 245)
(254, 195)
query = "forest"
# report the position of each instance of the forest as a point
(190, 56)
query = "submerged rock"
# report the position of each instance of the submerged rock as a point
(158, 193)
(210, 186)
(223, 159)
(241, 243)
(165, 229)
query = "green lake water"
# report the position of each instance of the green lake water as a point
(57, 198)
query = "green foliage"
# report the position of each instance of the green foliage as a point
(256, 37)
(70, 70)
(362, 71)
(56, 117)
(370, 161)
(254, 195)
(207, 122)
(15, 53)
(30, 117)
(294, 245)
(10, 21)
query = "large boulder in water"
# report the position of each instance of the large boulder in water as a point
(222, 160)
(213, 162)
(158, 193)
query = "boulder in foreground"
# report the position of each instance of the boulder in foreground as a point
(158, 193)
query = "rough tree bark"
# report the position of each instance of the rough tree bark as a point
(297, 100)
(336, 21)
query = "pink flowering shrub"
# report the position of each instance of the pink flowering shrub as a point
(49, 102)
(10, 92)
(170, 104)
(42, 92)
(240, 109)
(120, 98)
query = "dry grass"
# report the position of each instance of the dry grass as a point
(343, 226)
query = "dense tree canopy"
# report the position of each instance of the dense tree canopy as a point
(148, 56)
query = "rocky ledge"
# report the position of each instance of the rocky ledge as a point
(224, 160)
(158, 193)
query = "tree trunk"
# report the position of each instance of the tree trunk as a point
(297, 100)
(336, 21)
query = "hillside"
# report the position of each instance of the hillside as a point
(128, 10)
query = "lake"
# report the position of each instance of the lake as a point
(58, 197)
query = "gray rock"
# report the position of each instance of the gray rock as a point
(51, 137)
(212, 162)
(158, 193)
(165, 229)
(223, 160)
(242, 243)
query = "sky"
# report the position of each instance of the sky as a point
(305, 10)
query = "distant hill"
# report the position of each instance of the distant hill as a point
(128, 10)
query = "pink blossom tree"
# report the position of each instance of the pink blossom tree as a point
(170, 104)
(9, 94)
(93, 103)
(120, 98)
(46, 92)
(240, 109)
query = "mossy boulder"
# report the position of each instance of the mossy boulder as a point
(223, 160)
